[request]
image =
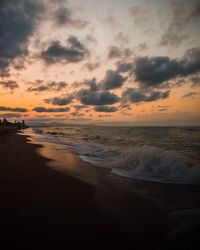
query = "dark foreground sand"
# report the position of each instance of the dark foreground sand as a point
(40, 203)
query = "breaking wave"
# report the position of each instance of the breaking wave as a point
(154, 164)
(144, 162)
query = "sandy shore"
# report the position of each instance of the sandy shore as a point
(38, 202)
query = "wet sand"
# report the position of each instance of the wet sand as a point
(40, 203)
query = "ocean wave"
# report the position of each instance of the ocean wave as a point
(155, 164)
(145, 163)
(142, 162)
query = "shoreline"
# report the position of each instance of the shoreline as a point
(42, 203)
(168, 197)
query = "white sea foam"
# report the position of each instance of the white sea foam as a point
(138, 162)
(144, 163)
(151, 163)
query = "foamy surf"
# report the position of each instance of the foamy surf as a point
(144, 162)
(154, 164)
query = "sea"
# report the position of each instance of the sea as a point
(158, 154)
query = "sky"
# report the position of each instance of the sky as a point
(102, 62)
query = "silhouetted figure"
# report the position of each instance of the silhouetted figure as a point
(13, 125)
(5, 122)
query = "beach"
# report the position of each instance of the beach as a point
(40, 203)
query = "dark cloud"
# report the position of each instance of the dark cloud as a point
(11, 115)
(195, 81)
(112, 80)
(50, 110)
(88, 97)
(79, 107)
(92, 84)
(139, 95)
(73, 52)
(133, 95)
(114, 52)
(123, 67)
(63, 16)
(50, 86)
(157, 95)
(9, 84)
(125, 106)
(91, 66)
(154, 71)
(105, 109)
(60, 101)
(181, 18)
(21, 110)
(18, 20)
(191, 95)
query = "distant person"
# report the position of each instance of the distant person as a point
(5, 122)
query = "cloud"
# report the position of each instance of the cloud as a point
(9, 84)
(195, 81)
(191, 95)
(112, 80)
(154, 71)
(181, 18)
(91, 83)
(50, 86)
(123, 67)
(60, 101)
(79, 107)
(73, 52)
(91, 66)
(63, 16)
(139, 95)
(114, 52)
(21, 110)
(10, 115)
(156, 95)
(76, 114)
(104, 115)
(50, 110)
(17, 23)
(88, 97)
(106, 109)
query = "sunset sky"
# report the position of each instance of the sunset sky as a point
(100, 62)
